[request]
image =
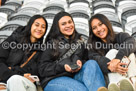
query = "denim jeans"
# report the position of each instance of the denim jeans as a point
(89, 78)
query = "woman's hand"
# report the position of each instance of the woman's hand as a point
(9, 68)
(115, 66)
(112, 65)
(120, 69)
(68, 68)
(2, 87)
(27, 75)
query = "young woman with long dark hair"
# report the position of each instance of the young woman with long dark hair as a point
(109, 49)
(58, 72)
(19, 60)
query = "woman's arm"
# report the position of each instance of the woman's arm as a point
(5, 72)
(127, 43)
(101, 60)
(48, 66)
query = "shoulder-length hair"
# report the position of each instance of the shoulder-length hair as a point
(110, 36)
(27, 31)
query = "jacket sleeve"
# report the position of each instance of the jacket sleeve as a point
(5, 49)
(101, 60)
(127, 45)
(78, 55)
(48, 66)
(5, 72)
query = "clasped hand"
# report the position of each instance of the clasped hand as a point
(116, 66)
(68, 68)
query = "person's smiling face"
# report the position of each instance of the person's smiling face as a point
(99, 29)
(38, 29)
(66, 26)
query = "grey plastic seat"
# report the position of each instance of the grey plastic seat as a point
(79, 3)
(133, 29)
(134, 35)
(111, 15)
(117, 2)
(117, 27)
(102, 2)
(81, 24)
(80, 8)
(15, 3)
(24, 16)
(79, 14)
(12, 25)
(9, 10)
(75, 1)
(36, 4)
(114, 23)
(29, 1)
(3, 19)
(104, 6)
(53, 8)
(94, 1)
(127, 14)
(49, 14)
(124, 7)
(29, 9)
(130, 26)
(82, 31)
(2, 38)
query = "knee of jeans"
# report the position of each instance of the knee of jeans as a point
(91, 63)
(14, 78)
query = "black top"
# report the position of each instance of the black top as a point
(14, 56)
(49, 68)
(120, 39)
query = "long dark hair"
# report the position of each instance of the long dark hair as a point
(93, 39)
(27, 31)
(55, 33)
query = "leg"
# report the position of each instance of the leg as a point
(91, 76)
(65, 84)
(17, 82)
(111, 54)
(132, 66)
(113, 77)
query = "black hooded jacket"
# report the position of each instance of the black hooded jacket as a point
(50, 67)
(14, 56)
(120, 39)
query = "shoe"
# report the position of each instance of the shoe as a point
(126, 85)
(102, 89)
(113, 87)
(133, 81)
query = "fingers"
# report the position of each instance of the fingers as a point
(79, 63)
(67, 68)
(2, 87)
(9, 68)
(121, 69)
(27, 75)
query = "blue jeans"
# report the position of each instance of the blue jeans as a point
(89, 78)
